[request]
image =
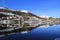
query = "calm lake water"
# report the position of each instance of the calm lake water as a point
(48, 33)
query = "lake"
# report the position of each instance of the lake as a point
(39, 33)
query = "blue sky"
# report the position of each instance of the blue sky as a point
(38, 7)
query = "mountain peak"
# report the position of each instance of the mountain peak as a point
(3, 8)
(45, 16)
(25, 11)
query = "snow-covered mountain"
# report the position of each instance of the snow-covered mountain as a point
(44, 16)
(24, 11)
(2, 8)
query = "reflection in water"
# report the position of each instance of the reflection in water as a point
(50, 33)
(44, 26)
(15, 23)
(24, 32)
(57, 39)
(19, 26)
